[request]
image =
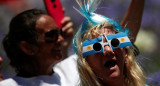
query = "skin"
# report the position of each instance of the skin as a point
(133, 17)
(134, 12)
(50, 53)
(67, 28)
(109, 75)
(46, 55)
(1, 60)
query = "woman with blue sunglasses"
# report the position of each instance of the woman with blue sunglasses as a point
(105, 52)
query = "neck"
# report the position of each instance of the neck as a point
(119, 82)
(35, 69)
(28, 74)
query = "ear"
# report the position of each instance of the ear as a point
(26, 48)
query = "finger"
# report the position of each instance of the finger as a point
(67, 26)
(63, 10)
(65, 20)
(69, 32)
(1, 78)
(1, 59)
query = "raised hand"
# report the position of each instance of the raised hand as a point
(67, 28)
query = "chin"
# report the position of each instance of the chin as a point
(59, 57)
(115, 74)
(114, 77)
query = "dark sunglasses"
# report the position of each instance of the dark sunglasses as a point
(52, 35)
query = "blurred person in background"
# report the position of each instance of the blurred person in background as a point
(34, 44)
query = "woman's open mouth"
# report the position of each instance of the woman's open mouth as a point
(110, 64)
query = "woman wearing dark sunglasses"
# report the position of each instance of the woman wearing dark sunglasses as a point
(34, 44)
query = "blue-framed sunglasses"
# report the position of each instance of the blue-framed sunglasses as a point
(119, 40)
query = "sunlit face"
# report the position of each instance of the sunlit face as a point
(108, 66)
(49, 40)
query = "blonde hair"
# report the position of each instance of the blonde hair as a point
(133, 75)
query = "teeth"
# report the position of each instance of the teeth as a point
(110, 64)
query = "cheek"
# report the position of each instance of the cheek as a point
(95, 62)
(45, 49)
(120, 56)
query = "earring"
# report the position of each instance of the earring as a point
(125, 62)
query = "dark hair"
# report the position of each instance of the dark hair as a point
(21, 28)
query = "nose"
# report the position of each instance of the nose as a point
(60, 39)
(107, 50)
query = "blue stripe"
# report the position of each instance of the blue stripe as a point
(122, 45)
(118, 35)
(89, 42)
(92, 52)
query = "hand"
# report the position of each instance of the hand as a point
(67, 28)
(133, 17)
(1, 78)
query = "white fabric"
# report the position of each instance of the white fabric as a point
(53, 80)
(67, 70)
(65, 75)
